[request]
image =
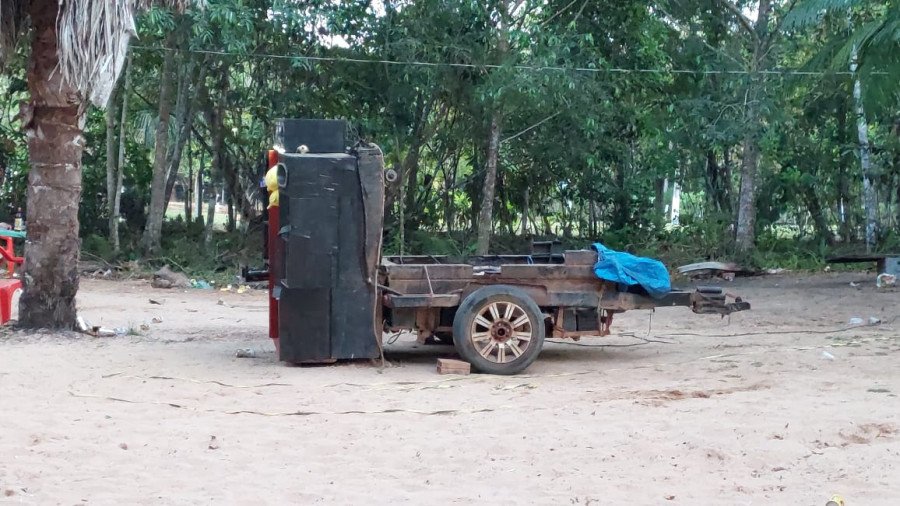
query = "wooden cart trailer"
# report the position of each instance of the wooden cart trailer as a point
(498, 310)
(332, 292)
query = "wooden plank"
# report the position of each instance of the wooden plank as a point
(422, 300)
(450, 366)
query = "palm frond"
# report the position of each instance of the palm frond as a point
(811, 12)
(858, 39)
(93, 40)
(144, 127)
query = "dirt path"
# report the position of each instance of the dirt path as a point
(172, 417)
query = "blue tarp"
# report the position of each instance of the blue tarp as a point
(630, 270)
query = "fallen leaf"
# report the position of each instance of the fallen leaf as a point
(670, 497)
(158, 303)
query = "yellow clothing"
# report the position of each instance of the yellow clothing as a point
(272, 186)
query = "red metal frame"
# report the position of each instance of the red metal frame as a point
(274, 259)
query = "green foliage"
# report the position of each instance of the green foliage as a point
(586, 155)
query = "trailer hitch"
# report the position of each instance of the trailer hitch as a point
(714, 300)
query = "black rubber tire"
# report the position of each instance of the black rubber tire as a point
(472, 306)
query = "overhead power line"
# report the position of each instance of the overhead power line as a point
(536, 68)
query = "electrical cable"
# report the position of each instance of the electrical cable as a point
(538, 68)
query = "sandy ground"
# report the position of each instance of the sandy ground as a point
(173, 417)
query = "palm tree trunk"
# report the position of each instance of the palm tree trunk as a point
(54, 120)
(153, 229)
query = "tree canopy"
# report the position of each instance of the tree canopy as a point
(687, 128)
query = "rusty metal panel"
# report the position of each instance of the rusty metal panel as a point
(581, 257)
(422, 300)
(371, 177)
(403, 318)
(434, 272)
(421, 286)
(573, 299)
(547, 272)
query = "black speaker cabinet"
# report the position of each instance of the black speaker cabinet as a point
(331, 213)
(318, 135)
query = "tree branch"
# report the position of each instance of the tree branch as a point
(742, 19)
(692, 31)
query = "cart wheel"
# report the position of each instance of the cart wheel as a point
(499, 330)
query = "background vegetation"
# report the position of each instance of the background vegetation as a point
(571, 118)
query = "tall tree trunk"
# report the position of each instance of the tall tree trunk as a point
(622, 201)
(120, 166)
(660, 197)
(525, 206)
(221, 161)
(745, 235)
(111, 165)
(818, 214)
(411, 173)
(725, 180)
(746, 223)
(176, 148)
(485, 214)
(231, 223)
(174, 165)
(157, 212)
(184, 122)
(210, 217)
(189, 189)
(484, 223)
(870, 200)
(198, 191)
(717, 183)
(54, 122)
(843, 182)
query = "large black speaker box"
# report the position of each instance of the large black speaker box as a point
(331, 214)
